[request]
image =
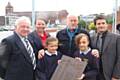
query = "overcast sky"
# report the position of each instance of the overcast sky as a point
(76, 7)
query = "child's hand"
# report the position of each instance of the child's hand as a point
(82, 76)
(78, 58)
(41, 53)
(59, 61)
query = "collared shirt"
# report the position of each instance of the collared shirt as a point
(103, 39)
(43, 38)
(29, 49)
(85, 52)
(23, 41)
(50, 54)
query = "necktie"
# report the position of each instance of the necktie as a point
(83, 55)
(30, 52)
(99, 43)
(54, 55)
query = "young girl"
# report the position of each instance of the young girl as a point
(84, 52)
(47, 65)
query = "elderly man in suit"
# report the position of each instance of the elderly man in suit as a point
(17, 60)
(108, 45)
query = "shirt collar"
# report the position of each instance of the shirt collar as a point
(103, 34)
(86, 51)
(21, 37)
(50, 54)
(72, 30)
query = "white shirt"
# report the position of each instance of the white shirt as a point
(50, 54)
(86, 51)
(22, 39)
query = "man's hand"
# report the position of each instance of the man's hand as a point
(113, 78)
(95, 53)
(41, 53)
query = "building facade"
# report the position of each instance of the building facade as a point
(51, 16)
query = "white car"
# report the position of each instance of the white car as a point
(4, 34)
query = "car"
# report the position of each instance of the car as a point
(4, 34)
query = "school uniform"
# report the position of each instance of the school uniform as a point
(47, 65)
(91, 70)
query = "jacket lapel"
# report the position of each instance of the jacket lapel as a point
(22, 48)
(94, 43)
(37, 37)
(106, 41)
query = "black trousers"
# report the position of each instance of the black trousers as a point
(100, 76)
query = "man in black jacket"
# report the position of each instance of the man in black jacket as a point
(66, 36)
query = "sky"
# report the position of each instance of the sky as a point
(76, 7)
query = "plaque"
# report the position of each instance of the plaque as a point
(69, 69)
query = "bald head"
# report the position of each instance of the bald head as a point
(72, 21)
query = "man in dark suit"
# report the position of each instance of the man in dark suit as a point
(109, 53)
(16, 62)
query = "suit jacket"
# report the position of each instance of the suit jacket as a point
(110, 55)
(36, 42)
(15, 62)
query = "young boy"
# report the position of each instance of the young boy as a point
(47, 65)
(84, 52)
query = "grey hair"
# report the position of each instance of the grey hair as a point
(71, 15)
(27, 19)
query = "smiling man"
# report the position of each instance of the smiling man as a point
(16, 62)
(108, 45)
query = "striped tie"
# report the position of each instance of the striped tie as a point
(30, 52)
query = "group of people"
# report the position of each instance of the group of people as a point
(35, 55)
